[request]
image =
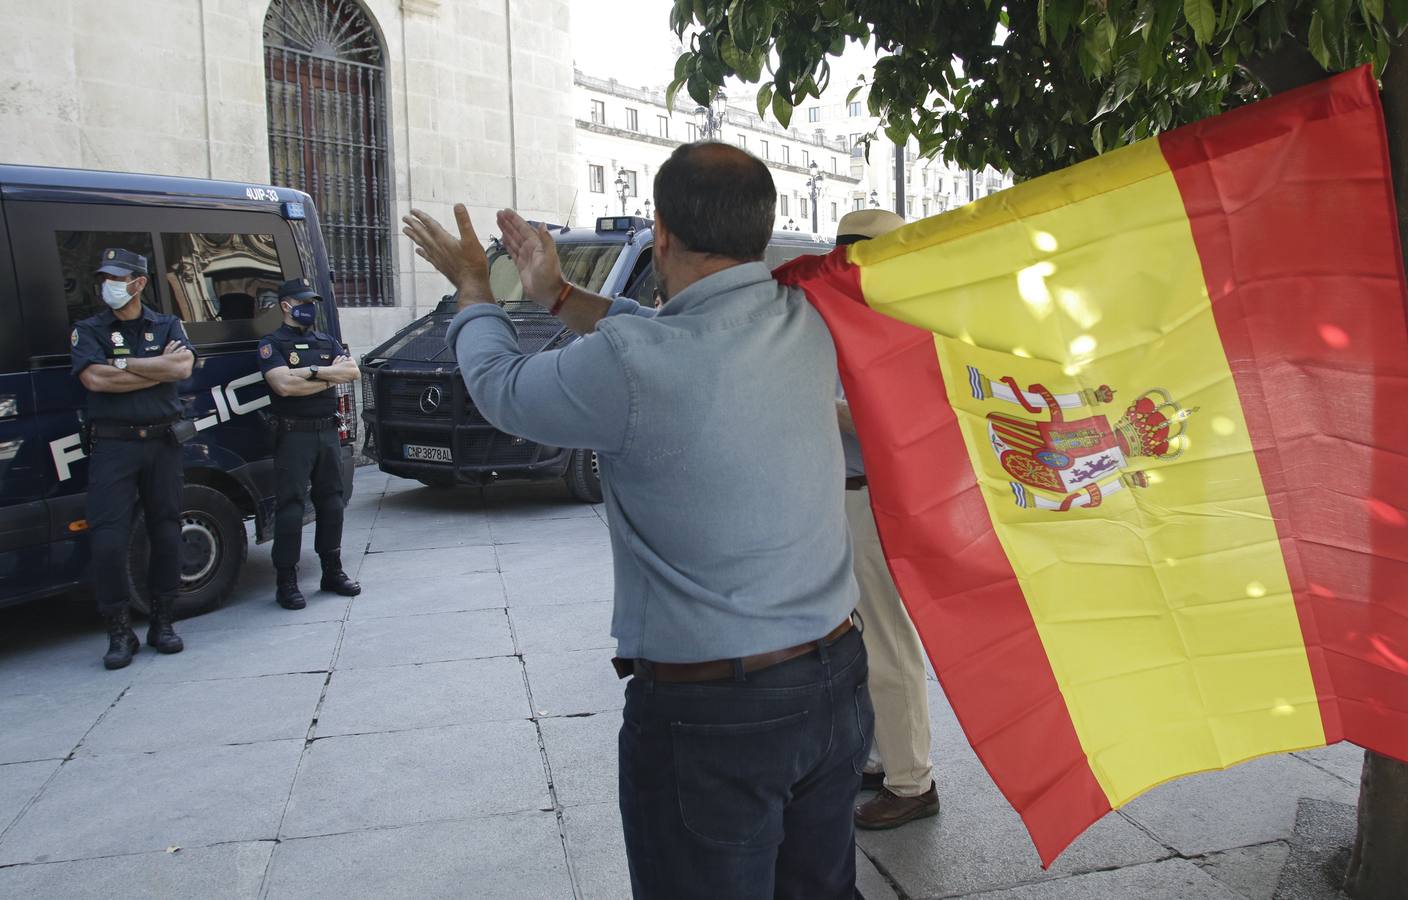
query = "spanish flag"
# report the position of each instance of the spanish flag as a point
(1135, 433)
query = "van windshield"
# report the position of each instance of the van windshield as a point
(585, 265)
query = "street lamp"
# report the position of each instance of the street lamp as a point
(647, 209)
(874, 199)
(623, 188)
(790, 226)
(712, 117)
(814, 185)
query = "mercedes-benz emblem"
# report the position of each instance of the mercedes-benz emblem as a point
(430, 400)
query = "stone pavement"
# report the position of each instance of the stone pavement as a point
(451, 733)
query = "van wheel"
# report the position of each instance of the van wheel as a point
(584, 476)
(213, 549)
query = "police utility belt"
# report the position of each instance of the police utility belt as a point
(179, 430)
(290, 423)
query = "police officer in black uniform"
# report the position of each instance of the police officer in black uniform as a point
(130, 358)
(302, 366)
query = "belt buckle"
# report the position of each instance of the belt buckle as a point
(141, 432)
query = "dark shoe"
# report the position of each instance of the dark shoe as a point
(872, 781)
(160, 634)
(336, 580)
(886, 810)
(287, 593)
(122, 640)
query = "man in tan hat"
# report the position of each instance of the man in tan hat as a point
(897, 680)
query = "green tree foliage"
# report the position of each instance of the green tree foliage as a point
(1027, 87)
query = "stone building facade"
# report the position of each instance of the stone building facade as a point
(424, 102)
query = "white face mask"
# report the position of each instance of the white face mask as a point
(115, 294)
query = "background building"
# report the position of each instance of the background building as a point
(372, 107)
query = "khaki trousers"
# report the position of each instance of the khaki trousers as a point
(897, 677)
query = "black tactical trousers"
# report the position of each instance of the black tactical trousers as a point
(120, 473)
(305, 460)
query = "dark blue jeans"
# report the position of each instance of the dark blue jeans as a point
(740, 789)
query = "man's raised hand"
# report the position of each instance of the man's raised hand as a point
(460, 259)
(535, 255)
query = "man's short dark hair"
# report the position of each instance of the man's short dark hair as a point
(717, 199)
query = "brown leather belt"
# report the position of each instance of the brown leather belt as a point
(719, 669)
(855, 482)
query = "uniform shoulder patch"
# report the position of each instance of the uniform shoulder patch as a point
(265, 350)
(73, 338)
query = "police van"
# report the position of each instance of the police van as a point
(420, 421)
(217, 252)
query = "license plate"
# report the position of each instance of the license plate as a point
(423, 453)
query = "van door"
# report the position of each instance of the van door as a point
(24, 516)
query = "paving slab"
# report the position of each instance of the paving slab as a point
(393, 533)
(509, 856)
(568, 626)
(598, 851)
(436, 637)
(1319, 852)
(1343, 760)
(247, 652)
(19, 784)
(1174, 879)
(1252, 803)
(1250, 872)
(548, 534)
(869, 882)
(362, 701)
(448, 562)
(255, 608)
(588, 557)
(593, 583)
(49, 725)
(582, 756)
(68, 663)
(428, 594)
(224, 872)
(151, 801)
(575, 682)
(154, 716)
(407, 777)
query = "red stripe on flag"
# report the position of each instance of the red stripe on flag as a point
(1293, 216)
(957, 582)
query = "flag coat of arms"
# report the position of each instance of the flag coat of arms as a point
(1135, 435)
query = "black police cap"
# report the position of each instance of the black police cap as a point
(298, 289)
(119, 262)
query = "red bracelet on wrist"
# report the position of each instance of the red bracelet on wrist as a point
(562, 296)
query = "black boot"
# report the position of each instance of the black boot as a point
(288, 595)
(336, 580)
(122, 640)
(160, 634)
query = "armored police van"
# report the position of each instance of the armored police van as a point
(217, 252)
(420, 420)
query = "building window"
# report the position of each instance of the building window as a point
(782, 205)
(632, 120)
(596, 179)
(857, 204)
(630, 183)
(692, 132)
(743, 141)
(806, 159)
(835, 211)
(325, 83)
(662, 126)
(802, 207)
(926, 208)
(598, 112)
(854, 108)
(813, 113)
(833, 165)
(765, 150)
(856, 139)
(786, 155)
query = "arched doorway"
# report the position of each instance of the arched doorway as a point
(324, 67)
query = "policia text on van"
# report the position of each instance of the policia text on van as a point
(217, 253)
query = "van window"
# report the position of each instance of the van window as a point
(78, 258)
(225, 286)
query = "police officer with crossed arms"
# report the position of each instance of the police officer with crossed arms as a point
(302, 366)
(129, 358)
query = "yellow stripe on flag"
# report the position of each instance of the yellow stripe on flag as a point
(1169, 656)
